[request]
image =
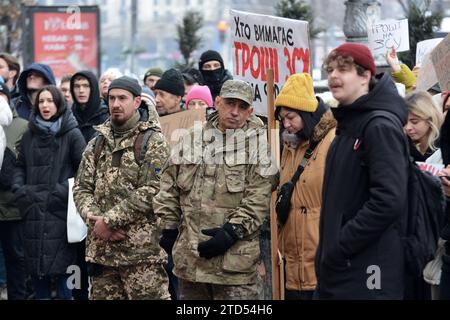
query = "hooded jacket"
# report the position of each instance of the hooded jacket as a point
(299, 236)
(95, 112)
(44, 165)
(23, 104)
(364, 196)
(14, 133)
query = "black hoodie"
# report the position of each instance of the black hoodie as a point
(364, 195)
(94, 113)
(22, 103)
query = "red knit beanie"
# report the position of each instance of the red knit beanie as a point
(360, 54)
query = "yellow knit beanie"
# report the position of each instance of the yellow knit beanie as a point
(298, 93)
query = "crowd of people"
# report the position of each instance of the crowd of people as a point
(184, 221)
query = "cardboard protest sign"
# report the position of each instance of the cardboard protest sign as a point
(175, 125)
(388, 34)
(441, 61)
(262, 42)
(433, 168)
(424, 47)
(427, 75)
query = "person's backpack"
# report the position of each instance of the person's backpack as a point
(140, 146)
(421, 225)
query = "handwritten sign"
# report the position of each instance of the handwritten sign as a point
(424, 47)
(261, 42)
(427, 75)
(180, 120)
(441, 60)
(388, 34)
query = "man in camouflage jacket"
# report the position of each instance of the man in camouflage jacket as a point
(215, 194)
(113, 193)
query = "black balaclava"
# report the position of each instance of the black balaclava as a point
(211, 77)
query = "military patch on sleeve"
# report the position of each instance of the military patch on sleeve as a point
(157, 171)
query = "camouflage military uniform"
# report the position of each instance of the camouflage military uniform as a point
(117, 188)
(197, 194)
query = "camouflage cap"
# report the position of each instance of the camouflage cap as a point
(237, 89)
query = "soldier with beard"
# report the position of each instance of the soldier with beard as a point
(113, 192)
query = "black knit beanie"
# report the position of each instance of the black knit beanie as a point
(172, 82)
(126, 83)
(209, 55)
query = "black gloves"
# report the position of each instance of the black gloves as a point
(168, 238)
(223, 239)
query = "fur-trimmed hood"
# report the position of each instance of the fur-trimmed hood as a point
(326, 123)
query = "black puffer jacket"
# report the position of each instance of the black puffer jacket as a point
(95, 112)
(364, 195)
(45, 163)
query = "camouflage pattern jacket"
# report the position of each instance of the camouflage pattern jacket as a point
(122, 193)
(202, 187)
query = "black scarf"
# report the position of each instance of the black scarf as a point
(213, 79)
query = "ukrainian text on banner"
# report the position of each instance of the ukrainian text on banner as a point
(261, 42)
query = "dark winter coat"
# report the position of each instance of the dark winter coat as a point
(364, 195)
(14, 133)
(23, 104)
(44, 165)
(95, 112)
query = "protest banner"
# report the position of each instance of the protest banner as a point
(427, 75)
(424, 47)
(441, 61)
(175, 125)
(261, 42)
(388, 34)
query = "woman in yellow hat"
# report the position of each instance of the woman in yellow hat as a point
(308, 127)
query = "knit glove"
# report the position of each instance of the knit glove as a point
(222, 239)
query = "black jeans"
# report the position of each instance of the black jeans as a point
(173, 280)
(11, 238)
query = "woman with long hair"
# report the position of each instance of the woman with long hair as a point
(49, 154)
(424, 123)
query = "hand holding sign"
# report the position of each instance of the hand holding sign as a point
(388, 34)
(392, 60)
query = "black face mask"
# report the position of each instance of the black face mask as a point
(213, 76)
